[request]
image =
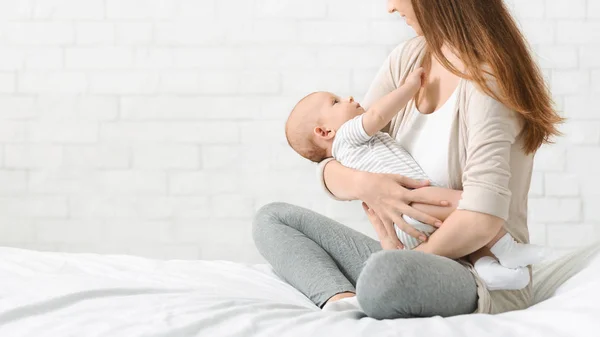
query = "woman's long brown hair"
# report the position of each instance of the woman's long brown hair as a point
(486, 38)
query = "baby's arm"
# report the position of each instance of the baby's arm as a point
(381, 113)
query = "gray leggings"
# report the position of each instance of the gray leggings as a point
(321, 257)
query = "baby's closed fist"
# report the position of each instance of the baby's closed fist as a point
(416, 79)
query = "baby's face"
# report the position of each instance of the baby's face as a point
(336, 111)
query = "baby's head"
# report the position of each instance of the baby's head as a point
(312, 124)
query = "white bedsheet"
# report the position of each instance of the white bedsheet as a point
(59, 294)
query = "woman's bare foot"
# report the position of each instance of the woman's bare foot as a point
(339, 296)
(342, 302)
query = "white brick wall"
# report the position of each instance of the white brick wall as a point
(154, 127)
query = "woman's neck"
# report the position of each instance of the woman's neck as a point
(451, 56)
(440, 82)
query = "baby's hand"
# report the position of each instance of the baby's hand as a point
(416, 79)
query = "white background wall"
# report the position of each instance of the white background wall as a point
(156, 127)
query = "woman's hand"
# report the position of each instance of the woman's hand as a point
(387, 242)
(389, 197)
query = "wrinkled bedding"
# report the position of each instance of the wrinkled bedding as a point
(63, 294)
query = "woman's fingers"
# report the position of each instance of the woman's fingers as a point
(375, 221)
(422, 217)
(418, 195)
(410, 230)
(391, 231)
(409, 182)
(382, 231)
(387, 244)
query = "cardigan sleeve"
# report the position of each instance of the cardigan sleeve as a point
(492, 129)
(386, 80)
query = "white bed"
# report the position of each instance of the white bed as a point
(60, 294)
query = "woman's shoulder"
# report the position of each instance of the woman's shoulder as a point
(474, 93)
(493, 89)
(417, 42)
(412, 45)
(480, 107)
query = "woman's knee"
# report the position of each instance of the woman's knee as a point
(384, 283)
(391, 284)
(403, 284)
(266, 219)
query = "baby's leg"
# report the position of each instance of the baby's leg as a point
(495, 275)
(501, 264)
(509, 253)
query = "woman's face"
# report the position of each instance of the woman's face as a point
(405, 9)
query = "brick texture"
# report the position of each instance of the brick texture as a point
(155, 127)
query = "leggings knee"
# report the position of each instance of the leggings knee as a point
(382, 286)
(265, 220)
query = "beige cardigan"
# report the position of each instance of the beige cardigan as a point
(485, 159)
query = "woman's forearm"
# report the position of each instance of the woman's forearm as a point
(341, 181)
(452, 197)
(461, 234)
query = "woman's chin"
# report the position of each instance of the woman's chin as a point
(417, 31)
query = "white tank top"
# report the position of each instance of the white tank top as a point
(427, 140)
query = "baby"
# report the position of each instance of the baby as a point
(322, 125)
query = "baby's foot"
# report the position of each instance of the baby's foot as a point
(512, 254)
(497, 277)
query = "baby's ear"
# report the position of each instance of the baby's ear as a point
(320, 132)
(324, 133)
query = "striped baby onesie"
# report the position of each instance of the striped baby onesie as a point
(380, 153)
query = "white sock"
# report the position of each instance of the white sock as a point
(512, 254)
(497, 277)
(345, 304)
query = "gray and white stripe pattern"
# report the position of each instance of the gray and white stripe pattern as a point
(380, 153)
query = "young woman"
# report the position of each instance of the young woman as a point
(481, 115)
